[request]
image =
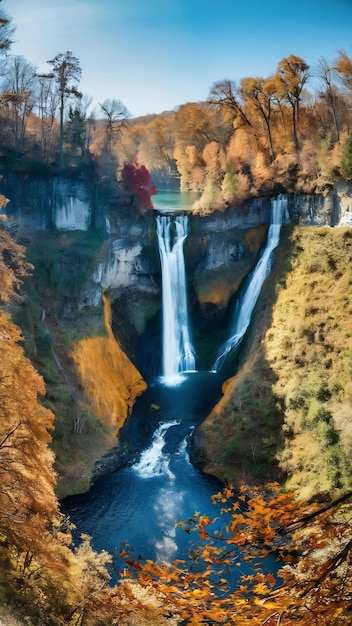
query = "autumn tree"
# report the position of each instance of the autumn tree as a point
(329, 92)
(346, 160)
(310, 584)
(292, 74)
(225, 94)
(193, 125)
(261, 94)
(138, 182)
(26, 495)
(13, 266)
(66, 68)
(343, 65)
(156, 143)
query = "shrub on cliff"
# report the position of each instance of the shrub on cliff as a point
(346, 161)
(138, 182)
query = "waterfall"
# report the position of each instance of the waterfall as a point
(178, 352)
(251, 291)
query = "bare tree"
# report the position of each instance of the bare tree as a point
(225, 94)
(116, 115)
(330, 93)
(20, 85)
(48, 103)
(116, 118)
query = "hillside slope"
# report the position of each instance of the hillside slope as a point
(287, 412)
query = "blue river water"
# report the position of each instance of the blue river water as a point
(171, 200)
(141, 505)
(138, 508)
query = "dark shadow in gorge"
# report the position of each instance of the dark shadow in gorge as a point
(240, 440)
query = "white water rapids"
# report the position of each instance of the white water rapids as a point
(153, 461)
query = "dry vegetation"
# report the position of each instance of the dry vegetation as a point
(288, 410)
(309, 348)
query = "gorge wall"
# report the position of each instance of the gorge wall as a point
(84, 247)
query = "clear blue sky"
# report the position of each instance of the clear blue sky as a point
(154, 55)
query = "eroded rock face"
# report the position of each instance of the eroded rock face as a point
(219, 251)
(333, 208)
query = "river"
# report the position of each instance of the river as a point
(140, 505)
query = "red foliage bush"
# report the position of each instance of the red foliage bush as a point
(138, 181)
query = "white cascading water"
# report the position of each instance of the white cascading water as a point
(249, 296)
(178, 351)
(153, 462)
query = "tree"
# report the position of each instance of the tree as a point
(13, 266)
(47, 102)
(225, 94)
(20, 85)
(138, 182)
(330, 94)
(193, 126)
(312, 544)
(261, 94)
(66, 68)
(156, 145)
(292, 74)
(346, 160)
(27, 500)
(78, 125)
(116, 118)
(343, 66)
(6, 32)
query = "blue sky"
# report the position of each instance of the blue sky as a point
(154, 55)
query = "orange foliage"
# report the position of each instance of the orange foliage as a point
(27, 500)
(314, 588)
(12, 263)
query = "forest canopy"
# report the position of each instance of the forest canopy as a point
(289, 131)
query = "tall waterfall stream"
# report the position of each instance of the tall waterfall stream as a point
(178, 351)
(140, 505)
